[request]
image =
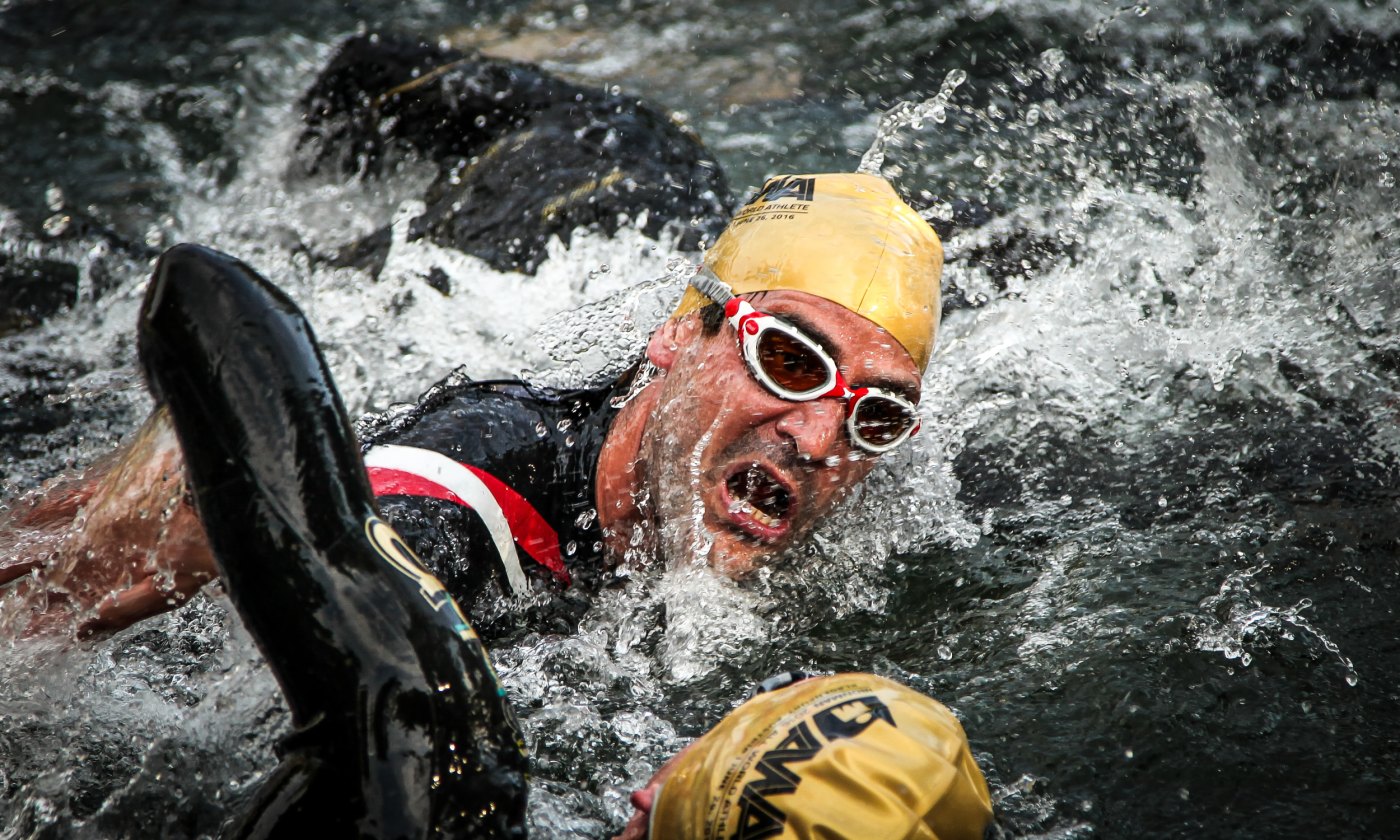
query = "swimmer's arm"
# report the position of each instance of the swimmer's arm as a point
(115, 545)
(149, 551)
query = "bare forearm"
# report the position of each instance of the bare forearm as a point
(105, 549)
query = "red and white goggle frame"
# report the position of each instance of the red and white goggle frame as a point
(750, 324)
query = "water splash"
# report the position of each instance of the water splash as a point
(598, 341)
(1095, 32)
(909, 115)
(1234, 620)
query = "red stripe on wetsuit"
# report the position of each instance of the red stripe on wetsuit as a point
(530, 530)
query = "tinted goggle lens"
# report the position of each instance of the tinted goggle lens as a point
(790, 363)
(881, 422)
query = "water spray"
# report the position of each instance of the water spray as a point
(909, 115)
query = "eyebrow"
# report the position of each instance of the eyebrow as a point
(897, 384)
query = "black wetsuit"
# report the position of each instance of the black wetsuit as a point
(492, 484)
(402, 729)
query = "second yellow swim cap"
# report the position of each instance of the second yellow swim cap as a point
(845, 237)
(848, 757)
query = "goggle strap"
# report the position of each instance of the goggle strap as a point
(707, 283)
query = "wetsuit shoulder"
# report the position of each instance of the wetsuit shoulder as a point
(493, 484)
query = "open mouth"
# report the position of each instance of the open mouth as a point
(757, 494)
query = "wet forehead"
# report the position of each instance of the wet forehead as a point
(869, 355)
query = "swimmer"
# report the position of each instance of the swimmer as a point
(847, 757)
(401, 728)
(792, 364)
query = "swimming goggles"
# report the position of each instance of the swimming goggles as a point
(794, 367)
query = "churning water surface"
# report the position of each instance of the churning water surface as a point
(1146, 546)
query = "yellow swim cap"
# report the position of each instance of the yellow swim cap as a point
(852, 756)
(845, 237)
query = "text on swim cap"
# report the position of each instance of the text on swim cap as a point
(759, 818)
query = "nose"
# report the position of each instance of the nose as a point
(816, 427)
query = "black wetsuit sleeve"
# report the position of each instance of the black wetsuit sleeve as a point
(402, 727)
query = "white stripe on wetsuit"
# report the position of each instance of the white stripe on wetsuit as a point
(441, 469)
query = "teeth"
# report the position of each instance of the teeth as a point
(759, 516)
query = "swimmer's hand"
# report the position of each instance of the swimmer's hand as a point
(643, 800)
(104, 551)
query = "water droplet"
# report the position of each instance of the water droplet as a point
(480, 120)
(564, 424)
(571, 548)
(1351, 678)
(604, 268)
(1032, 115)
(1161, 501)
(980, 161)
(57, 224)
(944, 652)
(540, 429)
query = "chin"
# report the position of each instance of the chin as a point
(737, 555)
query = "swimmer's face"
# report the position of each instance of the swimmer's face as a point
(737, 474)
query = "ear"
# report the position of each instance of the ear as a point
(668, 340)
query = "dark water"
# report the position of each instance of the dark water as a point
(1147, 550)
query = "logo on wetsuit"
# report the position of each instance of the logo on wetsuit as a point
(391, 547)
(760, 818)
